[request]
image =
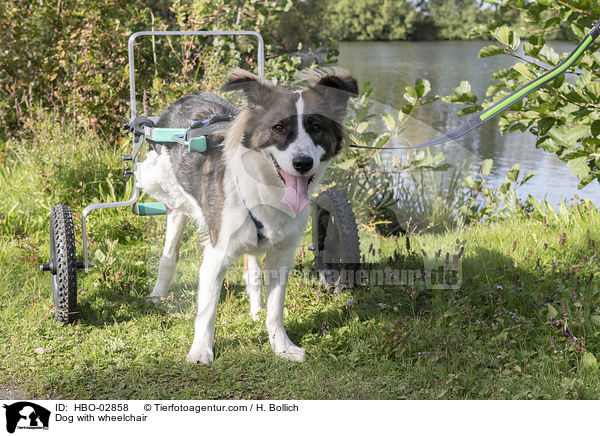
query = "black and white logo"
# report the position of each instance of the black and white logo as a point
(26, 415)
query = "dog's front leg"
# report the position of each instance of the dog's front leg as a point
(212, 272)
(278, 263)
(253, 277)
(168, 262)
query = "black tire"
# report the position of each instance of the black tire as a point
(335, 239)
(63, 264)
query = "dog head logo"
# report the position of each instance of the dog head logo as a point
(26, 415)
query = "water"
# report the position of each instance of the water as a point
(390, 66)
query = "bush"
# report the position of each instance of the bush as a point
(68, 56)
(71, 56)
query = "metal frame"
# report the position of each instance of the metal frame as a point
(138, 140)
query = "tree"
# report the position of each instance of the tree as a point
(304, 22)
(453, 19)
(368, 20)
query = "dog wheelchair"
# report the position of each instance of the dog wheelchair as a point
(335, 241)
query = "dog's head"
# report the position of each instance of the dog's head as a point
(298, 132)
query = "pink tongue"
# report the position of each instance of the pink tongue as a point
(296, 192)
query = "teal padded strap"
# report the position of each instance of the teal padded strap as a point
(147, 209)
(197, 144)
(162, 134)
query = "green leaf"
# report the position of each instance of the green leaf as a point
(422, 87)
(579, 167)
(408, 109)
(593, 90)
(551, 22)
(544, 125)
(524, 70)
(559, 81)
(578, 31)
(469, 182)
(537, 39)
(410, 94)
(344, 165)
(575, 97)
(490, 50)
(569, 135)
(430, 100)
(382, 140)
(548, 54)
(494, 89)
(462, 94)
(532, 49)
(463, 88)
(513, 174)
(486, 166)
(515, 41)
(583, 80)
(595, 320)
(589, 361)
(390, 123)
(595, 128)
(469, 110)
(362, 127)
(99, 256)
(502, 35)
(528, 176)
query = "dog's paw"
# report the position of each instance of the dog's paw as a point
(153, 299)
(293, 353)
(199, 356)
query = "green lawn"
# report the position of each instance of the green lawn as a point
(524, 322)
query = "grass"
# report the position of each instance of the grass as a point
(524, 322)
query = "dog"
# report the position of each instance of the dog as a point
(250, 189)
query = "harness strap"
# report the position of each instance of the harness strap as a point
(214, 118)
(259, 225)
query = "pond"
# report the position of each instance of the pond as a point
(390, 66)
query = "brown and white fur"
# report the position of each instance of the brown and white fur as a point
(259, 171)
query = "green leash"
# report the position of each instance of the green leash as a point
(482, 117)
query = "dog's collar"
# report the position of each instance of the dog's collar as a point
(259, 225)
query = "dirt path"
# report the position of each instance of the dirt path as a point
(10, 393)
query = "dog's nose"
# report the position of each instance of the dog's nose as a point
(302, 163)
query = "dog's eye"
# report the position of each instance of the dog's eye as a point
(315, 127)
(278, 128)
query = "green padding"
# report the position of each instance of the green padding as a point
(161, 134)
(197, 145)
(146, 209)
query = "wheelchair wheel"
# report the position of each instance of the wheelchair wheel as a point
(63, 264)
(335, 240)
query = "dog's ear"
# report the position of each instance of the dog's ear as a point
(336, 83)
(256, 91)
(340, 79)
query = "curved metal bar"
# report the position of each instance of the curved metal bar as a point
(135, 195)
(132, 38)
